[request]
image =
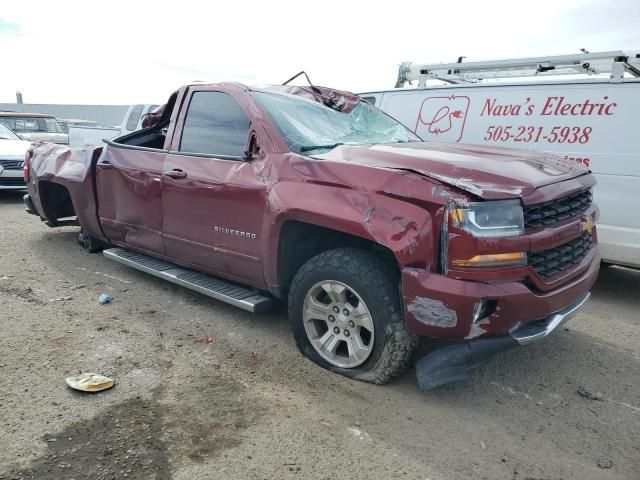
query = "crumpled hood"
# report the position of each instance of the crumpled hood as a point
(487, 172)
(13, 148)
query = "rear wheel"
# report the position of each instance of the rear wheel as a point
(346, 315)
(89, 243)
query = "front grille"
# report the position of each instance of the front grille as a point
(12, 182)
(556, 211)
(11, 164)
(549, 262)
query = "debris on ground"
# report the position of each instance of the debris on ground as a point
(61, 299)
(205, 340)
(104, 299)
(90, 382)
(359, 434)
(605, 463)
(590, 394)
(113, 278)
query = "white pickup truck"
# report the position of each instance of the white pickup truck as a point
(87, 136)
(593, 121)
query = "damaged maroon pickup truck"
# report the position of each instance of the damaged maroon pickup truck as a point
(315, 197)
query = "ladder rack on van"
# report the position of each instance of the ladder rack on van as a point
(616, 64)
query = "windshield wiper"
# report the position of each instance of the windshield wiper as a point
(308, 148)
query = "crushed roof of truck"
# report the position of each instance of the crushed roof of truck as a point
(338, 100)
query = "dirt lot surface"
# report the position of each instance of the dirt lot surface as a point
(247, 405)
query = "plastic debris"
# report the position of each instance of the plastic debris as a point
(590, 394)
(205, 340)
(90, 382)
(61, 299)
(104, 299)
(359, 434)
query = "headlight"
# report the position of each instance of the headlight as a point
(490, 219)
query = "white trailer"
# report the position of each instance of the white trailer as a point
(520, 103)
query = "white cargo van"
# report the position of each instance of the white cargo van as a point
(593, 121)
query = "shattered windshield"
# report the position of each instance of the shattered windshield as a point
(309, 126)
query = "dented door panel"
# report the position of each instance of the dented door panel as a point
(213, 217)
(129, 188)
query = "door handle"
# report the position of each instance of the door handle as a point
(175, 173)
(105, 165)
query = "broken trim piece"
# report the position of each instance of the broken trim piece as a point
(452, 363)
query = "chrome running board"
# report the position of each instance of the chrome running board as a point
(222, 290)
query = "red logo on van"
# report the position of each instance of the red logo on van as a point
(442, 119)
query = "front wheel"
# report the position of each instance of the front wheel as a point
(346, 315)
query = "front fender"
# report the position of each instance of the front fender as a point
(404, 228)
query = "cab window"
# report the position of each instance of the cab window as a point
(215, 125)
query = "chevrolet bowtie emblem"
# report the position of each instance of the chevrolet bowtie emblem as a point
(587, 224)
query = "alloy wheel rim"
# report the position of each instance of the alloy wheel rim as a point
(338, 324)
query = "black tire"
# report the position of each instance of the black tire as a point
(377, 282)
(89, 243)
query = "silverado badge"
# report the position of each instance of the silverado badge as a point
(236, 233)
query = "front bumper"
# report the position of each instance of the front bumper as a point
(12, 180)
(443, 307)
(452, 363)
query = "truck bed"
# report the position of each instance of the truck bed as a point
(60, 178)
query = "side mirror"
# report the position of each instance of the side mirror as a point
(253, 148)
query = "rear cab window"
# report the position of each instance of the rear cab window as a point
(215, 125)
(32, 124)
(134, 117)
(52, 125)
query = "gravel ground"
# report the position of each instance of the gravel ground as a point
(247, 405)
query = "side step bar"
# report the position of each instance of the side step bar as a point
(238, 296)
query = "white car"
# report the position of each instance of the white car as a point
(12, 150)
